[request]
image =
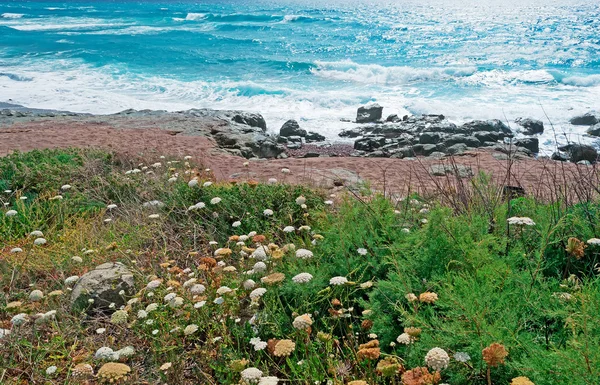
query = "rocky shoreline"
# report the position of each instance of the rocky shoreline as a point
(245, 134)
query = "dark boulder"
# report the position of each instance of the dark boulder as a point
(369, 143)
(594, 130)
(469, 141)
(560, 156)
(456, 149)
(587, 119)
(393, 118)
(369, 114)
(250, 119)
(292, 128)
(352, 133)
(314, 137)
(493, 125)
(532, 144)
(531, 126)
(430, 138)
(488, 136)
(579, 152)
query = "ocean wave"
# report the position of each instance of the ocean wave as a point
(376, 74)
(66, 24)
(15, 77)
(195, 16)
(581, 81)
(300, 18)
(9, 15)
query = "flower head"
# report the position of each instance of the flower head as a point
(284, 348)
(521, 221)
(437, 359)
(302, 278)
(304, 254)
(337, 281)
(303, 322)
(494, 354)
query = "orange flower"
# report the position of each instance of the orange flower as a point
(494, 354)
(575, 248)
(369, 351)
(428, 297)
(259, 238)
(420, 376)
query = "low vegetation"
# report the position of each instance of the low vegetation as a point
(252, 283)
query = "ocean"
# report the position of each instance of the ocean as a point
(313, 61)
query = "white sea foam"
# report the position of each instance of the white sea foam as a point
(9, 15)
(195, 16)
(582, 81)
(66, 24)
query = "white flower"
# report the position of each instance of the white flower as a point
(36, 234)
(176, 302)
(100, 330)
(223, 290)
(154, 332)
(304, 228)
(172, 179)
(437, 359)
(4, 333)
(111, 206)
(593, 241)
(260, 254)
(187, 157)
(272, 181)
(23, 198)
(215, 201)
(252, 233)
(40, 241)
(289, 229)
(51, 369)
(11, 213)
(36, 296)
(254, 340)
(267, 212)
(207, 184)
(169, 297)
(105, 354)
(362, 251)
(336, 281)
(261, 345)
(258, 292)
(251, 375)
(236, 224)
(219, 300)
(197, 289)
(329, 203)
(189, 282)
(300, 200)
(213, 243)
(65, 187)
(19, 319)
(259, 267)
(462, 356)
(154, 216)
(249, 284)
(77, 259)
(406, 230)
(151, 307)
(302, 278)
(304, 254)
(303, 322)
(193, 183)
(16, 250)
(190, 329)
(198, 305)
(424, 221)
(404, 339)
(520, 221)
(142, 314)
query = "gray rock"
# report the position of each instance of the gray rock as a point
(469, 141)
(393, 118)
(451, 169)
(314, 137)
(493, 125)
(377, 154)
(369, 114)
(594, 130)
(587, 119)
(531, 126)
(488, 136)
(424, 149)
(456, 149)
(103, 285)
(351, 133)
(369, 143)
(311, 155)
(437, 155)
(532, 144)
(291, 128)
(560, 156)
(579, 152)
(250, 119)
(430, 138)
(584, 162)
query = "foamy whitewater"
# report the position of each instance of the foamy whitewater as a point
(309, 61)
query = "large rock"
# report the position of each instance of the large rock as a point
(594, 130)
(579, 152)
(532, 144)
(250, 119)
(531, 126)
(352, 133)
(493, 125)
(430, 138)
(107, 284)
(587, 119)
(369, 143)
(469, 141)
(369, 114)
(488, 136)
(292, 128)
(314, 137)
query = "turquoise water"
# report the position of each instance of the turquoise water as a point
(312, 61)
